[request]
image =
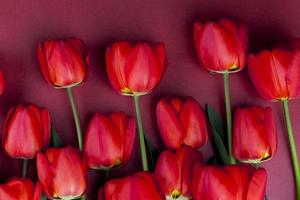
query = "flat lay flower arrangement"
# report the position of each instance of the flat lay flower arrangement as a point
(241, 142)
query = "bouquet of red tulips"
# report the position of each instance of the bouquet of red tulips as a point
(180, 172)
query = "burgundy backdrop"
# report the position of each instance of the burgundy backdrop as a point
(98, 24)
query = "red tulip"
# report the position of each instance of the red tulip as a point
(228, 183)
(63, 62)
(26, 131)
(276, 73)
(255, 134)
(181, 122)
(135, 69)
(19, 189)
(62, 173)
(109, 140)
(173, 171)
(140, 186)
(222, 46)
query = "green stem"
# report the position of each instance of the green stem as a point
(76, 117)
(228, 117)
(141, 133)
(293, 150)
(25, 167)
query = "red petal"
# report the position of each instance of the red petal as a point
(194, 124)
(130, 136)
(115, 64)
(169, 125)
(250, 140)
(168, 172)
(257, 185)
(271, 130)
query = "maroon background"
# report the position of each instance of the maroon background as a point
(99, 23)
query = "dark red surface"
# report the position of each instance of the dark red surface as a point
(99, 23)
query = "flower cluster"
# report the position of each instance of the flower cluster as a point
(181, 171)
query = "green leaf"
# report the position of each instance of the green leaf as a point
(218, 134)
(216, 122)
(221, 148)
(43, 197)
(153, 152)
(55, 139)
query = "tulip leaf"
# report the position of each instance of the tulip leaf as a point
(218, 134)
(221, 148)
(153, 153)
(216, 122)
(55, 139)
(43, 197)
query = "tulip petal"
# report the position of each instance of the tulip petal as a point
(46, 126)
(194, 123)
(271, 130)
(267, 71)
(187, 158)
(257, 185)
(212, 183)
(115, 64)
(45, 174)
(70, 174)
(250, 140)
(129, 138)
(23, 126)
(43, 64)
(293, 76)
(168, 172)
(139, 67)
(169, 125)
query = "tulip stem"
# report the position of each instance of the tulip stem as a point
(228, 117)
(292, 147)
(25, 167)
(76, 117)
(141, 133)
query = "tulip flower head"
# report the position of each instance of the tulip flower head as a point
(255, 134)
(221, 46)
(63, 62)
(20, 189)
(140, 186)
(181, 121)
(62, 173)
(26, 131)
(135, 69)
(109, 140)
(228, 183)
(276, 73)
(173, 172)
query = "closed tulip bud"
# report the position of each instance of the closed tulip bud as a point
(255, 134)
(63, 62)
(276, 73)
(62, 173)
(20, 189)
(135, 69)
(173, 172)
(140, 186)
(26, 131)
(221, 46)
(109, 140)
(228, 183)
(181, 122)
